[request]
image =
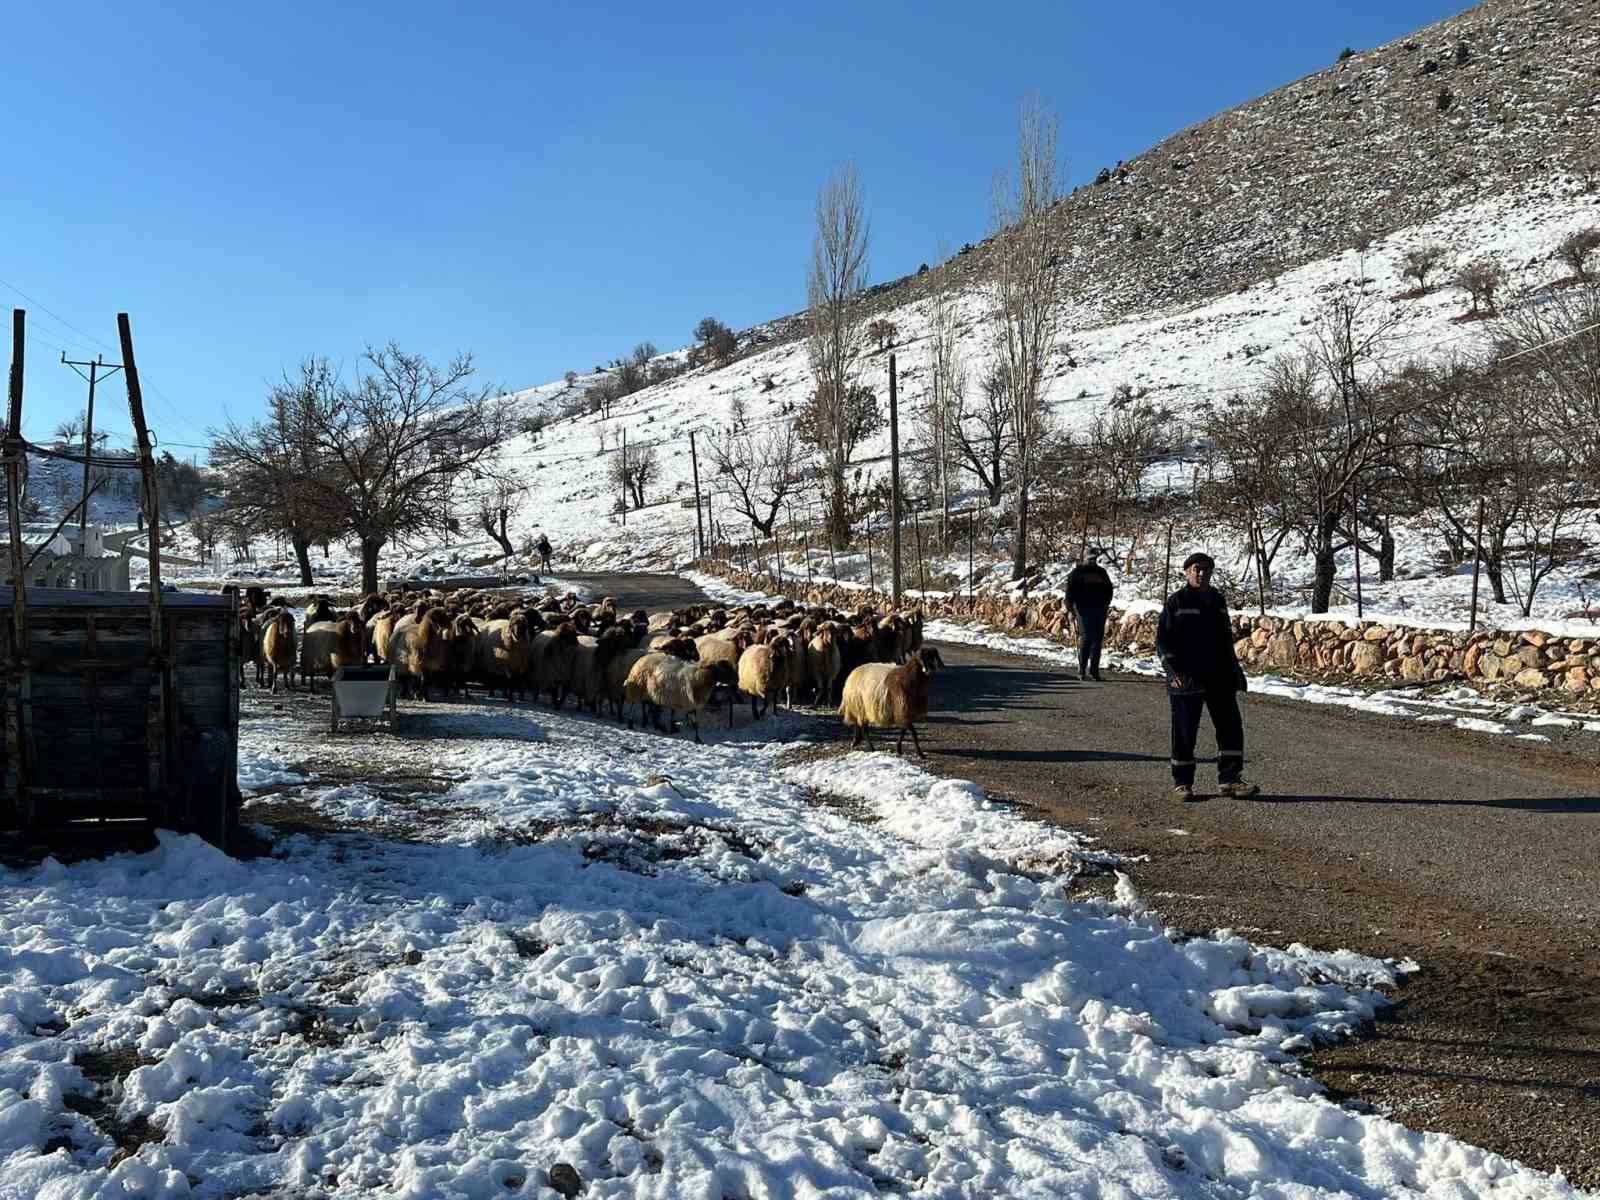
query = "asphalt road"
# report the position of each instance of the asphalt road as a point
(1476, 854)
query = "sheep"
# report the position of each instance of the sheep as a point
(329, 645)
(763, 674)
(551, 665)
(910, 634)
(422, 649)
(502, 651)
(617, 670)
(855, 648)
(463, 653)
(320, 611)
(881, 696)
(660, 681)
(277, 649)
(820, 662)
(588, 671)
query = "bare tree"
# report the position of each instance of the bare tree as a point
(395, 441)
(1123, 441)
(716, 342)
(1480, 279)
(834, 324)
(982, 435)
(758, 469)
(71, 430)
(1244, 493)
(937, 419)
(1558, 343)
(1026, 300)
(269, 471)
(632, 469)
(497, 504)
(1577, 248)
(883, 333)
(1419, 262)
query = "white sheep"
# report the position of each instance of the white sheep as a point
(882, 696)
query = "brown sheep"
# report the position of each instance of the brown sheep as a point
(820, 665)
(277, 649)
(503, 651)
(551, 667)
(881, 696)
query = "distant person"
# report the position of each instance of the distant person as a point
(545, 549)
(1194, 641)
(1089, 596)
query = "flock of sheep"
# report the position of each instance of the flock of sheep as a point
(871, 665)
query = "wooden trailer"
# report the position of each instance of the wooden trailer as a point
(99, 730)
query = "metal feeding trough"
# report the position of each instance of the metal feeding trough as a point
(367, 692)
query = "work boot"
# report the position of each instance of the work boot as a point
(1182, 791)
(1238, 788)
(1095, 675)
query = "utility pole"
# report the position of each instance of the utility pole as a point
(699, 527)
(17, 743)
(894, 488)
(1477, 566)
(624, 474)
(99, 364)
(1355, 544)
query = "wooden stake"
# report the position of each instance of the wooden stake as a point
(147, 478)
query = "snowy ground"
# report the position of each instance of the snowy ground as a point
(508, 939)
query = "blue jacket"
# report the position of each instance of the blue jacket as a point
(1194, 640)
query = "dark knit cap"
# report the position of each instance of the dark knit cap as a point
(1199, 556)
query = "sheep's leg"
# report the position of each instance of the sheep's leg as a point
(694, 722)
(860, 734)
(900, 743)
(916, 742)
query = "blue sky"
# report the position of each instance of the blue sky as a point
(541, 184)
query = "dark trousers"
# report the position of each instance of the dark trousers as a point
(1093, 623)
(1223, 705)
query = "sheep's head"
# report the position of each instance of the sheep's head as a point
(680, 647)
(929, 659)
(517, 629)
(567, 633)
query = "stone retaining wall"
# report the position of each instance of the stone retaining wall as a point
(1499, 663)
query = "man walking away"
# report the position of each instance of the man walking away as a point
(1194, 641)
(1089, 596)
(544, 548)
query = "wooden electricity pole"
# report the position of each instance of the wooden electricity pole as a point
(1477, 566)
(894, 489)
(99, 364)
(18, 747)
(699, 528)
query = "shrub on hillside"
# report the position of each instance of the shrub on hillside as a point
(1577, 248)
(1419, 262)
(1346, 53)
(1480, 279)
